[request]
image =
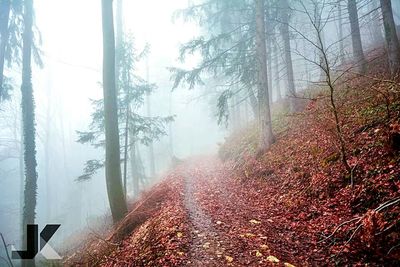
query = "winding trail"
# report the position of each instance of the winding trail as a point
(226, 228)
(205, 248)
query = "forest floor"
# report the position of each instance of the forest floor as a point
(292, 206)
(208, 217)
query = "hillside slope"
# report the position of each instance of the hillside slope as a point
(293, 206)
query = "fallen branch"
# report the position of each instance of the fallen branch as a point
(381, 207)
(338, 227)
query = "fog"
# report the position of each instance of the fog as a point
(184, 116)
(71, 43)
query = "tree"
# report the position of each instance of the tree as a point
(28, 119)
(135, 127)
(5, 8)
(392, 41)
(266, 136)
(287, 50)
(375, 26)
(358, 52)
(112, 161)
(327, 67)
(340, 32)
(11, 42)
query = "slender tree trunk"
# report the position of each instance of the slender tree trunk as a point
(358, 52)
(47, 154)
(340, 33)
(392, 41)
(288, 55)
(318, 27)
(151, 145)
(28, 118)
(276, 72)
(5, 7)
(134, 170)
(118, 42)
(266, 136)
(232, 114)
(170, 132)
(269, 63)
(112, 165)
(126, 145)
(376, 27)
(254, 103)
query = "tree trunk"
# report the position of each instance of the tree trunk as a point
(340, 33)
(170, 131)
(269, 62)
(277, 78)
(320, 41)
(288, 55)
(126, 145)
(253, 103)
(134, 170)
(376, 27)
(112, 165)
(118, 43)
(28, 119)
(358, 52)
(148, 105)
(392, 41)
(47, 158)
(5, 7)
(266, 136)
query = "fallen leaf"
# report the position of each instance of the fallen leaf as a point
(258, 254)
(248, 235)
(228, 259)
(272, 259)
(288, 264)
(254, 221)
(179, 234)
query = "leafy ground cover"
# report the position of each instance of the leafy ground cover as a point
(294, 206)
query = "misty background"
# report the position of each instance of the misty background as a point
(71, 42)
(71, 76)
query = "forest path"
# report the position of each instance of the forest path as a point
(226, 228)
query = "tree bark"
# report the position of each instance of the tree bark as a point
(5, 7)
(276, 72)
(288, 55)
(118, 42)
(112, 165)
(266, 136)
(340, 33)
(269, 66)
(134, 169)
(28, 118)
(358, 52)
(376, 27)
(392, 41)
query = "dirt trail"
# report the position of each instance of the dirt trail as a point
(225, 229)
(206, 248)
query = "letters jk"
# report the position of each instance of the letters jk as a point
(32, 243)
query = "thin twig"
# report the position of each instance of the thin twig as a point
(5, 247)
(392, 248)
(338, 227)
